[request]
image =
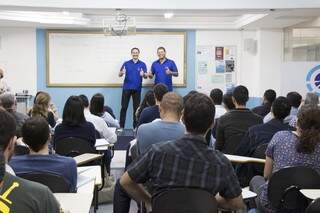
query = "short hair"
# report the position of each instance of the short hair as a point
(97, 104)
(216, 96)
(7, 101)
(270, 95)
(187, 96)
(84, 100)
(159, 91)
(161, 48)
(240, 95)
(311, 99)
(73, 114)
(135, 48)
(309, 124)
(198, 113)
(294, 99)
(7, 128)
(172, 102)
(281, 108)
(227, 101)
(35, 133)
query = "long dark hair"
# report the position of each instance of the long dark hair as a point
(97, 104)
(73, 112)
(309, 125)
(147, 101)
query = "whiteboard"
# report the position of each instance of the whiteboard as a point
(85, 59)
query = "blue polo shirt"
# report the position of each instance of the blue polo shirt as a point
(159, 70)
(132, 79)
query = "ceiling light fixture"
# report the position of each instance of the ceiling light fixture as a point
(168, 15)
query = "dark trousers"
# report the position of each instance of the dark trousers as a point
(126, 94)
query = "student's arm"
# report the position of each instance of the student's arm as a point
(233, 204)
(135, 190)
(110, 120)
(152, 71)
(107, 132)
(268, 168)
(219, 135)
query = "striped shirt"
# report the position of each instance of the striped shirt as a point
(187, 162)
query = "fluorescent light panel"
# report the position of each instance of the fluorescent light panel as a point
(45, 17)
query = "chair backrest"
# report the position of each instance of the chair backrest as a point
(21, 150)
(72, 147)
(314, 206)
(56, 183)
(284, 186)
(259, 152)
(186, 200)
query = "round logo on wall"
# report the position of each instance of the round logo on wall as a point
(313, 80)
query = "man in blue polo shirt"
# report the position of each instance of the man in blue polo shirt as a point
(134, 70)
(163, 69)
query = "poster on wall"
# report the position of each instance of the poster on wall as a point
(220, 66)
(219, 53)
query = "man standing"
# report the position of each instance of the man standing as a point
(163, 69)
(134, 70)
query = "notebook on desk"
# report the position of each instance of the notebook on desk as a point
(101, 142)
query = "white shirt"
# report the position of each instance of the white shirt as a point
(10, 170)
(110, 120)
(101, 126)
(220, 110)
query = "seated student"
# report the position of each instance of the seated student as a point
(177, 163)
(41, 108)
(109, 110)
(52, 107)
(233, 125)
(216, 95)
(74, 123)
(9, 103)
(268, 97)
(287, 148)
(99, 124)
(294, 99)
(147, 101)
(261, 134)
(168, 128)
(312, 99)
(151, 113)
(227, 102)
(97, 108)
(17, 194)
(36, 135)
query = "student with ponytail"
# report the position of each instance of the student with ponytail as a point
(287, 149)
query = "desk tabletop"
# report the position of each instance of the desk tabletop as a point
(75, 202)
(90, 172)
(87, 157)
(243, 159)
(311, 193)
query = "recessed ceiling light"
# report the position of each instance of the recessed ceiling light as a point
(66, 13)
(168, 15)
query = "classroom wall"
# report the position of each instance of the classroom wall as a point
(112, 94)
(18, 58)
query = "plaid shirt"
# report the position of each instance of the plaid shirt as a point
(187, 162)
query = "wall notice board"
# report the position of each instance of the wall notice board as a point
(91, 59)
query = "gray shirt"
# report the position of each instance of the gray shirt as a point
(19, 195)
(158, 131)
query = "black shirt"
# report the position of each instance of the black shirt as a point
(232, 127)
(149, 114)
(262, 110)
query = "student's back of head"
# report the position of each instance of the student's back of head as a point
(172, 104)
(198, 114)
(216, 96)
(308, 127)
(294, 99)
(187, 96)
(73, 114)
(7, 101)
(84, 100)
(7, 130)
(281, 108)
(312, 99)
(159, 91)
(35, 133)
(41, 105)
(270, 95)
(240, 95)
(227, 101)
(97, 104)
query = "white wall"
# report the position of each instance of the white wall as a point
(259, 71)
(18, 58)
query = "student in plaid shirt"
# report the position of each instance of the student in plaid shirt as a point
(187, 162)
